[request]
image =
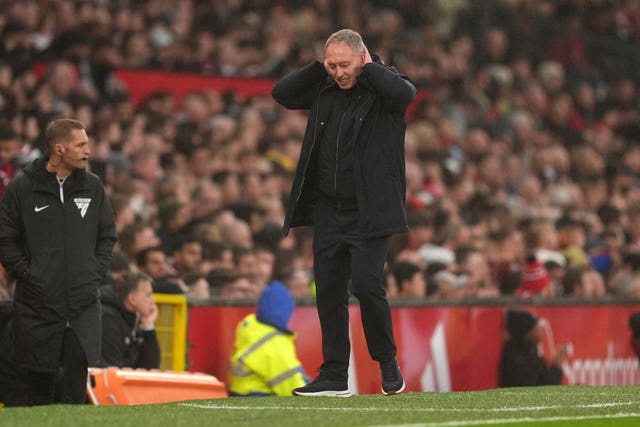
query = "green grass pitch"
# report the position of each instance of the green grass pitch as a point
(540, 406)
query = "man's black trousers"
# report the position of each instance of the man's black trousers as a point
(23, 387)
(344, 262)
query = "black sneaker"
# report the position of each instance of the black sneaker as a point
(323, 387)
(392, 381)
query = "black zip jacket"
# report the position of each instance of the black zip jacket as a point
(59, 254)
(335, 151)
(378, 152)
(124, 344)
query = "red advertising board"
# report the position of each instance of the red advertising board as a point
(441, 348)
(142, 83)
(139, 84)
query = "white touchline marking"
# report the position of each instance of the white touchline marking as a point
(511, 420)
(565, 392)
(377, 409)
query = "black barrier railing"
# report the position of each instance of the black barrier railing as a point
(426, 302)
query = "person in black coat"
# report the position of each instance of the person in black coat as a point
(350, 185)
(56, 240)
(128, 323)
(520, 363)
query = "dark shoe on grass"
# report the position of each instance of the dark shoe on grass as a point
(323, 387)
(392, 381)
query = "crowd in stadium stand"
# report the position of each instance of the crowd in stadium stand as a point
(522, 149)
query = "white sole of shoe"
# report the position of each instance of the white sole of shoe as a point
(326, 393)
(391, 393)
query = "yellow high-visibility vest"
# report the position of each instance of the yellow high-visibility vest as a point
(264, 360)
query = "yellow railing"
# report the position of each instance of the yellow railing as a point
(171, 329)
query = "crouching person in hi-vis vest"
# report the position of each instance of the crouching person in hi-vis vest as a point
(264, 360)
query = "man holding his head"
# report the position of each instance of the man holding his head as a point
(350, 185)
(56, 240)
(129, 313)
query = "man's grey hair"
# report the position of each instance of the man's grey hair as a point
(350, 37)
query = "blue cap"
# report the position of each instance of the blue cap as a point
(275, 305)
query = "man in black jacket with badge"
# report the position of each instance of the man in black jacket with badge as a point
(350, 185)
(56, 240)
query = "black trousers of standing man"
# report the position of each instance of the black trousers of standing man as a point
(341, 257)
(24, 386)
(28, 388)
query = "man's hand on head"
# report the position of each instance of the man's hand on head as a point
(149, 319)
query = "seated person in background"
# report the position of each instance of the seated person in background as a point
(229, 283)
(118, 266)
(300, 282)
(535, 281)
(128, 323)
(187, 255)
(583, 282)
(153, 262)
(520, 363)
(634, 324)
(9, 149)
(410, 280)
(135, 237)
(264, 360)
(197, 285)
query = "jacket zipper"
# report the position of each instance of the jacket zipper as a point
(64, 248)
(335, 172)
(313, 143)
(61, 187)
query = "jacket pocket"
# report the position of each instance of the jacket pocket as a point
(46, 272)
(28, 290)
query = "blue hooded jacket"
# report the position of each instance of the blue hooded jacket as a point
(275, 306)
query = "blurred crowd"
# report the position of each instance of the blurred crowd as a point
(522, 148)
